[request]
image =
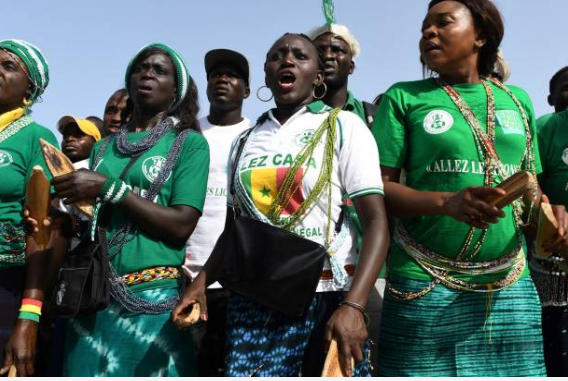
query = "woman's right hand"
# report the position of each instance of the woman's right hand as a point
(21, 349)
(469, 206)
(193, 294)
(79, 185)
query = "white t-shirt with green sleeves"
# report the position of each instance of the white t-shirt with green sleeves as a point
(418, 128)
(186, 185)
(272, 149)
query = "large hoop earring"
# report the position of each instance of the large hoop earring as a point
(265, 99)
(323, 93)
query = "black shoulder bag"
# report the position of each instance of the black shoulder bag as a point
(269, 265)
(82, 286)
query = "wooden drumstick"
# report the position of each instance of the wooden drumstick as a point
(332, 367)
(59, 165)
(191, 318)
(38, 204)
(515, 186)
(13, 372)
(547, 228)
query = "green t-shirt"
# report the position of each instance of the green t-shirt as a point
(18, 155)
(553, 145)
(355, 106)
(186, 185)
(419, 129)
(540, 122)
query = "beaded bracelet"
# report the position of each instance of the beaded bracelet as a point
(30, 310)
(114, 190)
(107, 185)
(359, 308)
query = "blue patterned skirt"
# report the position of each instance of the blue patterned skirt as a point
(262, 342)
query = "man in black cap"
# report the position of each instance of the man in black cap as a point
(227, 87)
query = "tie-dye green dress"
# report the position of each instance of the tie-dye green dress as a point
(116, 342)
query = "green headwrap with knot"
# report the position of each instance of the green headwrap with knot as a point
(36, 64)
(182, 76)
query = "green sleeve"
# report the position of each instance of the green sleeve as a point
(541, 122)
(389, 130)
(191, 173)
(528, 106)
(544, 138)
(36, 155)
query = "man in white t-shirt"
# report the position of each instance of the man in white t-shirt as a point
(227, 87)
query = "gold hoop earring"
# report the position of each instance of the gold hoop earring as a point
(323, 93)
(265, 99)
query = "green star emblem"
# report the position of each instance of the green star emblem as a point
(265, 191)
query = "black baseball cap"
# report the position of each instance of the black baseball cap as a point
(217, 56)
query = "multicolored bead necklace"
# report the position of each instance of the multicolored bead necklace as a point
(438, 266)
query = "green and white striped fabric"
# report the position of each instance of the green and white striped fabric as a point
(455, 334)
(182, 74)
(35, 62)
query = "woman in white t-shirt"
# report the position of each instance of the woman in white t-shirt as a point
(262, 341)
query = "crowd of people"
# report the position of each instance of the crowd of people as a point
(416, 272)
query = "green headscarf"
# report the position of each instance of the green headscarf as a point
(183, 77)
(35, 62)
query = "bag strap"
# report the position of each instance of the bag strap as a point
(370, 111)
(241, 145)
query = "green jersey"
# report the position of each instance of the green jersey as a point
(18, 155)
(541, 121)
(553, 145)
(186, 185)
(355, 106)
(418, 128)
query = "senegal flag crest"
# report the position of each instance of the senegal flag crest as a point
(262, 185)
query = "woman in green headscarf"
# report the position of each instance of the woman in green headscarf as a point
(153, 210)
(24, 75)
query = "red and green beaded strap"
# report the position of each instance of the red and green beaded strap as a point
(150, 275)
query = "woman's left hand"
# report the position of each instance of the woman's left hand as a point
(561, 239)
(79, 185)
(21, 349)
(347, 327)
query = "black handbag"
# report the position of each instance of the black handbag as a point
(269, 265)
(83, 286)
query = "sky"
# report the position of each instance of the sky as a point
(89, 43)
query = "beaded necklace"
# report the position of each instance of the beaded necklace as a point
(289, 187)
(15, 241)
(15, 127)
(438, 266)
(119, 290)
